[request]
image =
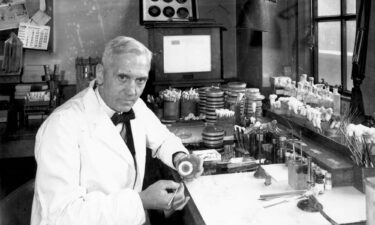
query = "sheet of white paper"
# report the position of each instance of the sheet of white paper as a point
(11, 14)
(33, 36)
(277, 172)
(187, 53)
(40, 18)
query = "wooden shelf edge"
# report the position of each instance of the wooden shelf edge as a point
(10, 79)
(329, 143)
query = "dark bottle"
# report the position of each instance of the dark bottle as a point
(281, 150)
(274, 150)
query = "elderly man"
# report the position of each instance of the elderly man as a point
(90, 169)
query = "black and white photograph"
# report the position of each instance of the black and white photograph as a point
(187, 112)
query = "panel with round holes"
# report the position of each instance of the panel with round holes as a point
(168, 10)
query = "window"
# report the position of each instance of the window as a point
(335, 27)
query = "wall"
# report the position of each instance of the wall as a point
(223, 12)
(262, 55)
(82, 27)
(367, 87)
(278, 41)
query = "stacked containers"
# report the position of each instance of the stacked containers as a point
(202, 100)
(234, 90)
(234, 102)
(213, 137)
(214, 100)
(253, 98)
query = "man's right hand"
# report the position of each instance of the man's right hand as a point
(156, 195)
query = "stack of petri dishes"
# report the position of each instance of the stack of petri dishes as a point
(234, 90)
(253, 96)
(202, 100)
(214, 101)
(213, 137)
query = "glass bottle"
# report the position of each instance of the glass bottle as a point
(287, 91)
(303, 80)
(328, 181)
(300, 91)
(281, 150)
(319, 182)
(336, 97)
(293, 89)
(311, 81)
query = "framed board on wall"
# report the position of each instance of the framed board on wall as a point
(33, 7)
(28, 9)
(167, 11)
(187, 54)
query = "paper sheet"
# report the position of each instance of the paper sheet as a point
(277, 172)
(12, 13)
(187, 53)
(33, 36)
(40, 18)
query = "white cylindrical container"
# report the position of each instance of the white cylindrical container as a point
(370, 200)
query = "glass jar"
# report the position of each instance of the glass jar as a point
(328, 181)
(281, 150)
(319, 183)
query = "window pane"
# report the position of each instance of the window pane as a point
(350, 6)
(328, 7)
(350, 39)
(329, 56)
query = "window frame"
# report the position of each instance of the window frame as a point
(343, 17)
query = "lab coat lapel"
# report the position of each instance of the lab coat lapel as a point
(107, 133)
(103, 129)
(140, 148)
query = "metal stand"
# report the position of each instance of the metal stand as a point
(260, 173)
(308, 204)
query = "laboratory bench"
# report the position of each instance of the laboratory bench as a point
(328, 154)
(234, 199)
(222, 198)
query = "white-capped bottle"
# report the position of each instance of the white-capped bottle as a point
(328, 181)
(336, 97)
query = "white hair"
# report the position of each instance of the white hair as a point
(124, 45)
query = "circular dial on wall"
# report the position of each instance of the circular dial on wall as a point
(154, 11)
(168, 10)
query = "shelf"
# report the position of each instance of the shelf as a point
(327, 153)
(300, 126)
(188, 83)
(10, 78)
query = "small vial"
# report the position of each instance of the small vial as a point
(288, 157)
(267, 180)
(319, 182)
(328, 183)
(282, 150)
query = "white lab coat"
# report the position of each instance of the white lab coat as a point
(85, 172)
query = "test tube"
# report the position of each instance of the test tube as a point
(309, 180)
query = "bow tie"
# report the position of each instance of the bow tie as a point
(122, 117)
